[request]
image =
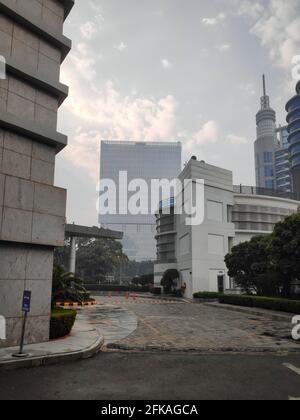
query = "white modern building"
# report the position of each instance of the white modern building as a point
(140, 160)
(232, 214)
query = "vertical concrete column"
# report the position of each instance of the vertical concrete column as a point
(72, 268)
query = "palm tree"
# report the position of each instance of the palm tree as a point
(66, 286)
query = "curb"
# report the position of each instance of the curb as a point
(74, 305)
(52, 359)
(194, 350)
(163, 298)
(251, 311)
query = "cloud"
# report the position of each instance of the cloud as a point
(106, 113)
(276, 24)
(248, 88)
(81, 60)
(84, 151)
(209, 135)
(214, 20)
(121, 47)
(97, 11)
(250, 8)
(223, 47)
(166, 63)
(234, 139)
(88, 30)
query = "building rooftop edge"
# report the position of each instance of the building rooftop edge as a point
(148, 143)
(68, 5)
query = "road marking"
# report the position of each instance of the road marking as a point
(292, 368)
(294, 399)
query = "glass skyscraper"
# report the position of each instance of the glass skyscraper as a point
(141, 160)
(293, 119)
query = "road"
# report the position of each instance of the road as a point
(193, 365)
(135, 376)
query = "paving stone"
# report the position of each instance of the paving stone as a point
(188, 327)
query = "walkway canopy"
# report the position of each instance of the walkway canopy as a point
(91, 232)
(76, 231)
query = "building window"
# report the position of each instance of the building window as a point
(230, 244)
(269, 171)
(268, 157)
(229, 213)
(269, 184)
(184, 245)
(215, 211)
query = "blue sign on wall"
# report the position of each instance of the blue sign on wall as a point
(26, 301)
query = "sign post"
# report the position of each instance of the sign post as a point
(26, 309)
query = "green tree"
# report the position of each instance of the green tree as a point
(285, 251)
(168, 279)
(98, 258)
(250, 265)
(95, 258)
(144, 280)
(134, 269)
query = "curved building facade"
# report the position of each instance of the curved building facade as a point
(233, 214)
(256, 212)
(293, 119)
(165, 240)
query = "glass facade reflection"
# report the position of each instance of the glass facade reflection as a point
(282, 162)
(141, 160)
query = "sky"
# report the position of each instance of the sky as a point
(171, 70)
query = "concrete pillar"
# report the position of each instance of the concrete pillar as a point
(72, 268)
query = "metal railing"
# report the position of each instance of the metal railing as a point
(249, 190)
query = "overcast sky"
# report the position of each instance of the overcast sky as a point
(171, 70)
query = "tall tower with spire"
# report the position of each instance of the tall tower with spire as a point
(266, 143)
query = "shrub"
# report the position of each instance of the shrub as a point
(67, 287)
(62, 322)
(275, 304)
(116, 288)
(206, 295)
(156, 290)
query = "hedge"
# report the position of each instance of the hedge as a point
(206, 295)
(116, 288)
(61, 322)
(275, 304)
(156, 290)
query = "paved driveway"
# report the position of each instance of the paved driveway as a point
(177, 325)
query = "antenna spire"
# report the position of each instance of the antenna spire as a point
(264, 85)
(265, 100)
